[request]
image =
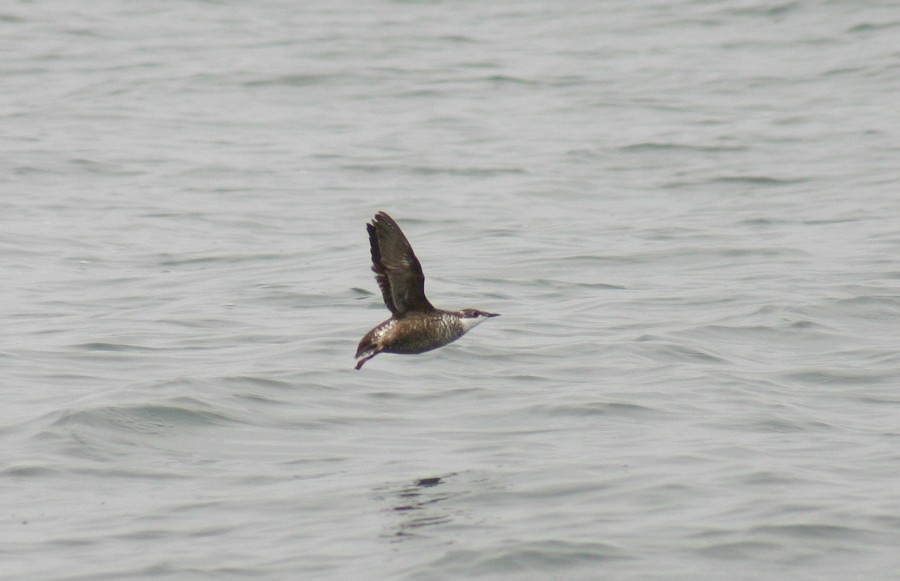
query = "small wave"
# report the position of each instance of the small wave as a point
(879, 302)
(508, 79)
(873, 26)
(764, 10)
(144, 418)
(528, 557)
(296, 80)
(467, 171)
(841, 377)
(739, 549)
(561, 284)
(758, 180)
(595, 409)
(29, 472)
(657, 146)
(172, 261)
(119, 347)
(667, 351)
(243, 380)
(811, 531)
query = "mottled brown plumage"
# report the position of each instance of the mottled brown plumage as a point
(415, 325)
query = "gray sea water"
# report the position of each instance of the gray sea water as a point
(687, 212)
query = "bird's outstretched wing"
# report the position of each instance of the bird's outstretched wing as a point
(396, 267)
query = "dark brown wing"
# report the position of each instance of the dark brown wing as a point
(396, 267)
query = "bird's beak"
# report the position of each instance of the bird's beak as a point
(492, 314)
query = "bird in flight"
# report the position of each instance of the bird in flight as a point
(415, 325)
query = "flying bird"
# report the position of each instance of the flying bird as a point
(415, 325)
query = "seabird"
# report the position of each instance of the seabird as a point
(415, 325)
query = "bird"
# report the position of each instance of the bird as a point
(415, 326)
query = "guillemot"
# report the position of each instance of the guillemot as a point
(415, 325)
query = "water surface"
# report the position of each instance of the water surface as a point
(685, 211)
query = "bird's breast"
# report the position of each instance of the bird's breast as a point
(418, 334)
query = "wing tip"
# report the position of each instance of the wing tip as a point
(383, 218)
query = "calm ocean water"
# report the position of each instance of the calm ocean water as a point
(687, 212)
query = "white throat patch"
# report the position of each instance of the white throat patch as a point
(469, 323)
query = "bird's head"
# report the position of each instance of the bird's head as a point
(472, 317)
